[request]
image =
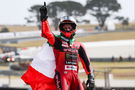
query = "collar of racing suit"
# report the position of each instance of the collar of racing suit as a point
(66, 39)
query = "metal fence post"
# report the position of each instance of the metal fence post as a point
(107, 80)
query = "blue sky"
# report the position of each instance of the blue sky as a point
(14, 11)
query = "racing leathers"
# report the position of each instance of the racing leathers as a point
(67, 54)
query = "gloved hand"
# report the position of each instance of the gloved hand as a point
(43, 12)
(90, 82)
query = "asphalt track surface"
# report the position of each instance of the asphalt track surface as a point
(28, 37)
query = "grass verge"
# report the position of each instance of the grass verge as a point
(117, 73)
(92, 38)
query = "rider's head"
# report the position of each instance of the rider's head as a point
(67, 27)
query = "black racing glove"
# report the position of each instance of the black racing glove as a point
(43, 12)
(90, 82)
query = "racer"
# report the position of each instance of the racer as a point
(67, 53)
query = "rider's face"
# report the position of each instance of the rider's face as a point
(67, 27)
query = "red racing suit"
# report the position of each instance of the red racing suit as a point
(67, 54)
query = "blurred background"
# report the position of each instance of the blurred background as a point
(105, 27)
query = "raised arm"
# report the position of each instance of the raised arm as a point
(46, 32)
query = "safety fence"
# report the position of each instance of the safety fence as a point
(109, 78)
